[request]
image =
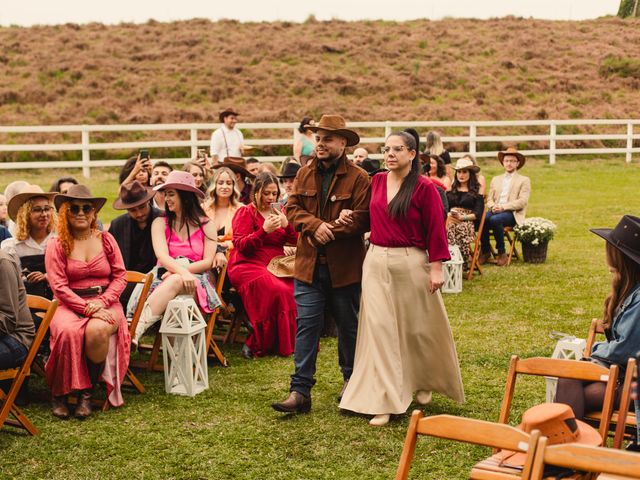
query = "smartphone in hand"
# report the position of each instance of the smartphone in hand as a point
(144, 154)
(276, 207)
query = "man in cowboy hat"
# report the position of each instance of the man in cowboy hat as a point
(243, 176)
(227, 141)
(287, 178)
(132, 230)
(328, 265)
(506, 204)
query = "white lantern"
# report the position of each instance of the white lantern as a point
(569, 348)
(183, 347)
(452, 271)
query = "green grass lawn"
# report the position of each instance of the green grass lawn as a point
(231, 432)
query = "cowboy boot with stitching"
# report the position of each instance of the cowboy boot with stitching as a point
(147, 318)
(83, 408)
(59, 407)
(295, 403)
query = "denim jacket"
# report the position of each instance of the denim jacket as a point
(624, 338)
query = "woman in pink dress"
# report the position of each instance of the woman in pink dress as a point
(89, 334)
(260, 234)
(184, 242)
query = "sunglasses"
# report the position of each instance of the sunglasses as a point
(86, 209)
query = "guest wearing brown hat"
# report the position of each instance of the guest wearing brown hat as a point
(132, 230)
(328, 267)
(621, 317)
(89, 335)
(506, 204)
(227, 141)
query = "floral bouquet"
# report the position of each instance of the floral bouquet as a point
(535, 231)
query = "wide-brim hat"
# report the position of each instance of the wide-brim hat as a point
(26, 193)
(557, 422)
(227, 111)
(625, 236)
(466, 164)
(237, 164)
(336, 124)
(132, 195)
(514, 152)
(371, 166)
(282, 266)
(180, 181)
(290, 170)
(79, 192)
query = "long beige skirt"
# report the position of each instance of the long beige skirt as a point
(404, 339)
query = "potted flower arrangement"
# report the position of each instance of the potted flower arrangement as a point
(534, 235)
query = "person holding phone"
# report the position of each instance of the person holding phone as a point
(137, 168)
(260, 233)
(621, 318)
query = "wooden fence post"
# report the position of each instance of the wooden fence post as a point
(629, 142)
(194, 143)
(473, 139)
(552, 143)
(86, 153)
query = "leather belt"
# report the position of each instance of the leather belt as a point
(90, 291)
(322, 260)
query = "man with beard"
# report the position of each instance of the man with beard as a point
(159, 175)
(328, 265)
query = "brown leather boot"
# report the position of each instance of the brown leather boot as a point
(344, 387)
(83, 408)
(502, 260)
(59, 407)
(296, 403)
(483, 258)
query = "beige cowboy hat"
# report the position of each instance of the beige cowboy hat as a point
(26, 193)
(79, 192)
(557, 422)
(466, 164)
(513, 151)
(335, 123)
(133, 195)
(282, 266)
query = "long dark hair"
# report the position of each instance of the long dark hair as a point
(626, 276)
(262, 180)
(473, 186)
(192, 214)
(399, 206)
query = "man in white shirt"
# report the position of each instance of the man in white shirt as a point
(506, 204)
(227, 141)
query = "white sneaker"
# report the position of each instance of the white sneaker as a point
(380, 420)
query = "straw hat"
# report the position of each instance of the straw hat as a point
(335, 123)
(132, 195)
(513, 151)
(282, 266)
(79, 192)
(625, 237)
(466, 164)
(180, 181)
(26, 193)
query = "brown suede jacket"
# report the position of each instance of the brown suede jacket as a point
(349, 189)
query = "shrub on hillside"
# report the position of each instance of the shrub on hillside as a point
(621, 66)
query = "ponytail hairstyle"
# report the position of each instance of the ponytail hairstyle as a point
(626, 275)
(399, 206)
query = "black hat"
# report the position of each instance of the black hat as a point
(290, 170)
(625, 237)
(371, 166)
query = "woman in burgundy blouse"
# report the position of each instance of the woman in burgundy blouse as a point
(404, 341)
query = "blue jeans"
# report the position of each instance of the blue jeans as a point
(311, 298)
(496, 222)
(12, 355)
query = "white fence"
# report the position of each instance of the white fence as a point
(473, 139)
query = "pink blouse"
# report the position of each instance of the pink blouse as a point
(423, 227)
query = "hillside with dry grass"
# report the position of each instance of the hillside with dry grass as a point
(506, 68)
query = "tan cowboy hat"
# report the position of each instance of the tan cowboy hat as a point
(513, 151)
(466, 164)
(282, 266)
(335, 123)
(237, 164)
(132, 195)
(79, 192)
(180, 181)
(27, 193)
(557, 422)
(227, 111)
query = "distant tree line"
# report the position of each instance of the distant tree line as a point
(629, 8)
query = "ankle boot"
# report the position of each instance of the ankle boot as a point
(59, 407)
(95, 370)
(147, 318)
(83, 408)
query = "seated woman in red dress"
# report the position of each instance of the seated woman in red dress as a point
(260, 234)
(89, 334)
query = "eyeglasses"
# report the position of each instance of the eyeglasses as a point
(395, 149)
(39, 210)
(86, 209)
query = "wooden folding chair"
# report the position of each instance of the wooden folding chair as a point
(623, 420)
(476, 248)
(478, 432)
(18, 375)
(612, 464)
